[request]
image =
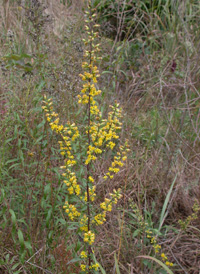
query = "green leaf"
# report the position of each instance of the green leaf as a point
(13, 57)
(47, 189)
(2, 194)
(24, 55)
(21, 237)
(41, 124)
(13, 216)
(17, 57)
(28, 246)
(41, 85)
(7, 258)
(22, 256)
(38, 140)
(50, 235)
(135, 233)
(77, 259)
(109, 72)
(48, 217)
(116, 264)
(62, 221)
(79, 244)
(164, 212)
(11, 161)
(15, 266)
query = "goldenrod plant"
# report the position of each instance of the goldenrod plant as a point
(97, 137)
(151, 237)
(184, 224)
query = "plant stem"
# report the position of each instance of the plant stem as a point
(88, 165)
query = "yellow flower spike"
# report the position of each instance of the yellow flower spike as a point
(100, 134)
(91, 193)
(83, 223)
(89, 237)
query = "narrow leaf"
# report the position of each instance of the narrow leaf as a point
(116, 264)
(164, 213)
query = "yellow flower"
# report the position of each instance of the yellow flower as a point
(84, 223)
(99, 219)
(83, 254)
(71, 211)
(83, 267)
(89, 237)
(168, 263)
(95, 266)
(92, 194)
(164, 256)
(91, 179)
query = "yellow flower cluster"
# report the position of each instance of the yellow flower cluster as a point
(69, 133)
(92, 151)
(107, 204)
(83, 254)
(89, 237)
(153, 240)
(92, 194)
(84, 223)
(157, 247)
(118, 161)
(83, 267)
(184, 224)
(71, 211)
(69, 178)
(90, 75)
(100, 135)
(149, 234)
(105, 130)
(93, 266)
(164, 258)
(100, 218)
(91, 179)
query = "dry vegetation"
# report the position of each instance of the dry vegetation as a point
(152, 68)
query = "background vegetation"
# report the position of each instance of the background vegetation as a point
(150, 64)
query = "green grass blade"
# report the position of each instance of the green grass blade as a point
(164, 209)
(116, 264)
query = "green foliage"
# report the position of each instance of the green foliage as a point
(148, 235)
(137, 15)
(18, 61)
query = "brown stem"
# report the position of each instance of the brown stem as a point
(88, 165)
